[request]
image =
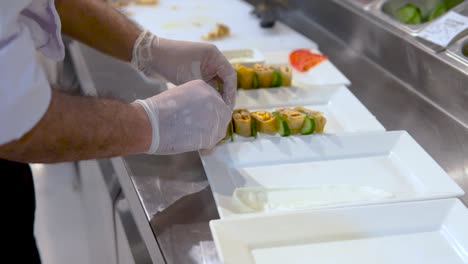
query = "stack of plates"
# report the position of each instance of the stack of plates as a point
(355, 194)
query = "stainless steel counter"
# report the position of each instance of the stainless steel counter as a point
(169, 197)
(151, 182)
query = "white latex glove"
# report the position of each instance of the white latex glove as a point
(189, 117)
(182, 61)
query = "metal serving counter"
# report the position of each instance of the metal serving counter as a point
(167, 203)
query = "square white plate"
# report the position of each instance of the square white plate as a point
(323, 74)
(426, 232)
(389, 161)
(344, 112)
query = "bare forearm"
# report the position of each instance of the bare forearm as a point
(99, 25)
(77, 128)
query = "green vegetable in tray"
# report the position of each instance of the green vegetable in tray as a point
(437, 11)
(308, 126)
(416, 20)
(442, 8)
(283, 128)
(409, 14)
(451, 3)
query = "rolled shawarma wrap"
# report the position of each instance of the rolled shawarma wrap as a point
(265, 75)
(242, 122)
(294, 119)
(265, 122)
(320, 119)
(245, 77)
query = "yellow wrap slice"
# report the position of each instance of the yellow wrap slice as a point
(245, 76)
(265, 121)
(264, 74)
(242, 122)
(295, 119)
(320, 119)
(286, 75)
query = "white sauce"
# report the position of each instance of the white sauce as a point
(260, 199)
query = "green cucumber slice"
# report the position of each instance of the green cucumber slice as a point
(255, 83)
(229, 132)
(253, 128)
(283, 130)
(277, 78)
(309, 126)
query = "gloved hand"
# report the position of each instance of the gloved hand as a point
(181, 61)
(189, 117)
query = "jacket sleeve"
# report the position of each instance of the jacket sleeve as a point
(25, 93)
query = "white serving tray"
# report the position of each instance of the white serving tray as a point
(344, 112)
(425, 232)
(323, 74)
(389, 161)
(246, 57)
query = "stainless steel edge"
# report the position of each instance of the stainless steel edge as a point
(176, 196)
(145, 246)
(136, 243)
(456, 50)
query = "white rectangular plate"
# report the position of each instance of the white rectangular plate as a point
(389, 161)
(323, 74)
(426, 232)
(344, 112)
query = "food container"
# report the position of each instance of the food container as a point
(459, 50)
(390, 8)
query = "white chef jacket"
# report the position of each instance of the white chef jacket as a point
(25, 26)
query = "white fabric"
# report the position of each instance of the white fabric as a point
(44, 24)
(25, 94)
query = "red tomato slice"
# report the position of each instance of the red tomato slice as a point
(303, 59)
